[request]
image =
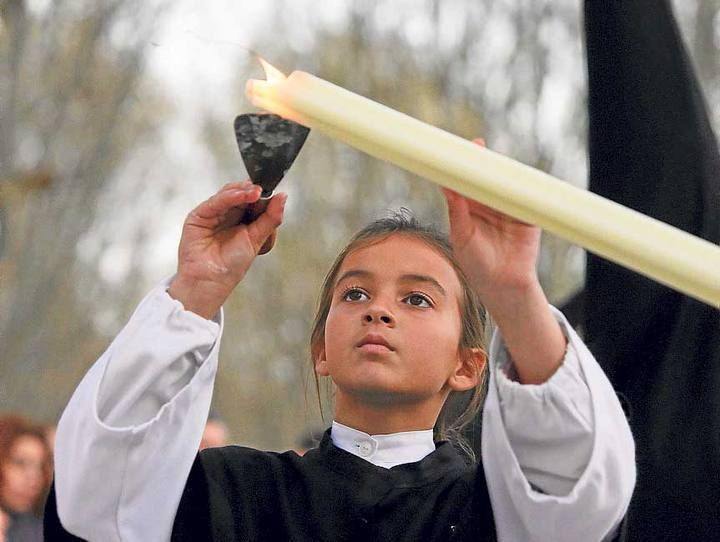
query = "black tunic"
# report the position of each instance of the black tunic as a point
(242, 494)
(237, 493)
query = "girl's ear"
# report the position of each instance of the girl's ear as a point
(317, 350)
(468, 370)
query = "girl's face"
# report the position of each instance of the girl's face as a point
(22, 479)
(392, 334)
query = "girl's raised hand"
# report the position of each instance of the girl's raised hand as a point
(499, 256)
(497, 252)
(216, 250)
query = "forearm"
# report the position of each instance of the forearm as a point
(531, 333)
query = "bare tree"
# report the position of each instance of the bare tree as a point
(71, 104)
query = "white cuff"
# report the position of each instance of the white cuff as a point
(131, 430)
(549, 425)
(598, 499)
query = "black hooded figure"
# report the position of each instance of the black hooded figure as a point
(652, 149)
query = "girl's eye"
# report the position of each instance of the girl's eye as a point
(418, 300)
(354, 294)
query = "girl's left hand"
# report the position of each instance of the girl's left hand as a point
(497, 252)
(499, 255)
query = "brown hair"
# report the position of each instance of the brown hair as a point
(13, 428)
(461, 408)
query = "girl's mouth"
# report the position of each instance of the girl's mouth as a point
(375, 343)
(372, 348)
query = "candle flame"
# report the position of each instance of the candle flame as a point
(272, 74)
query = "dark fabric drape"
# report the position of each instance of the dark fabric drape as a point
(652, 149)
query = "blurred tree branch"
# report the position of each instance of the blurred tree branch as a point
(21, 184)
(72, 99)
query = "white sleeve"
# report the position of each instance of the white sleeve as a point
(559, 457)
(129, 435)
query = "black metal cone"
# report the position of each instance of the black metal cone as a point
(269, 145)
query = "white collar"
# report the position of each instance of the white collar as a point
(383, 450)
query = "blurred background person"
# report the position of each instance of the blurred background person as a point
(25, 474)
(216, 433)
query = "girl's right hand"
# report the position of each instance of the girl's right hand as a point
(216, 250)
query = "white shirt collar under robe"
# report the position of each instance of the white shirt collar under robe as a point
(384, 450)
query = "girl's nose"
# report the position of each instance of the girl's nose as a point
(379, 315)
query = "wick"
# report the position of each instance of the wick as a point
(223, 42)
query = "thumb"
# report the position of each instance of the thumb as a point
(461, 224)
(261, 231)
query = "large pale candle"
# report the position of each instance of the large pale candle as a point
(666, 254)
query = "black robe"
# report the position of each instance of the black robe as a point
(652, 148)
(237, 493)
(328, 494)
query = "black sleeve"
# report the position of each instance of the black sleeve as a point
(192, 521)
(52, 528)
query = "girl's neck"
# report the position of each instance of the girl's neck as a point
(383, 419)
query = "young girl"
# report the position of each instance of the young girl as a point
(398, 331)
